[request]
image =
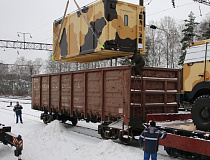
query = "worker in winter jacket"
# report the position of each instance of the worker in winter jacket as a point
(18, 110)
(150, 136)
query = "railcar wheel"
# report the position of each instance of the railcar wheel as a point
(74, 121)
(126, 140)
(103, 136)
(63, 120)
(201, 113)
(47, 119)
(171, 152)
(44, 120)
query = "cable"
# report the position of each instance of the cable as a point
(40, 26)
(48, 30)
(10, 56)
(169, 9)
(148, 3)
(47, 39)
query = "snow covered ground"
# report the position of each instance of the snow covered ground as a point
(56, 141)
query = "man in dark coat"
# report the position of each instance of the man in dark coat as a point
(18, 110)
(138, 59)
(151, 136)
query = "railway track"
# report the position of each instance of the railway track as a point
(80, 129)
(83, 130)
(87, 131)
(9, 100)
(5, 109)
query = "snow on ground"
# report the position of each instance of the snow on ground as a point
(55, 141)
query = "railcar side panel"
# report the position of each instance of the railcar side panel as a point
(36, 89)
(107, 94)
(116, 93)
(79, 94)
(45, 96)
(66, 94)
(94, 94)
(55, 93)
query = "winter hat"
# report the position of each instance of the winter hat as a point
(153, 124)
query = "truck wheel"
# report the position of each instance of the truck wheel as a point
(201, 113)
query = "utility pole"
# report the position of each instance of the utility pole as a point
(141, 2)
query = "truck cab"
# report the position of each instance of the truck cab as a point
(196, 83)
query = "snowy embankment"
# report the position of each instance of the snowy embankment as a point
(55, 141)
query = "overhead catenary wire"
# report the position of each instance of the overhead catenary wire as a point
(43, 33)
(168, 9)
(47, 39)
(40, 26)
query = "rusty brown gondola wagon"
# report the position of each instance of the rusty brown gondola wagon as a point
(110, 95)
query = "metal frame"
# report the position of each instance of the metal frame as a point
(25, 45)
(180, 139)
(206, 2)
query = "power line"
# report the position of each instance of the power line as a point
(170, 9)
(47, 39)
(40, 26)
(40, 34)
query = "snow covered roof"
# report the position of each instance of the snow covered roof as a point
(197, 54)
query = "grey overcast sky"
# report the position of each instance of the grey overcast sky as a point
(37, 16)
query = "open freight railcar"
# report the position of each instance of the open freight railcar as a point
(114, 95)
(119, 27)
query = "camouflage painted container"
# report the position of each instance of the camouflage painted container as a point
(194, 69)
(119, 26)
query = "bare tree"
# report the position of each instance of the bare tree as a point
(154, 46)
(163, 44)
(204, 29)
(173, 37)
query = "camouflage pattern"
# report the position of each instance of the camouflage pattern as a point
(119, 26)
(193, 69)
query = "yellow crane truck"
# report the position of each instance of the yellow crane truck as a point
(196, 83)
